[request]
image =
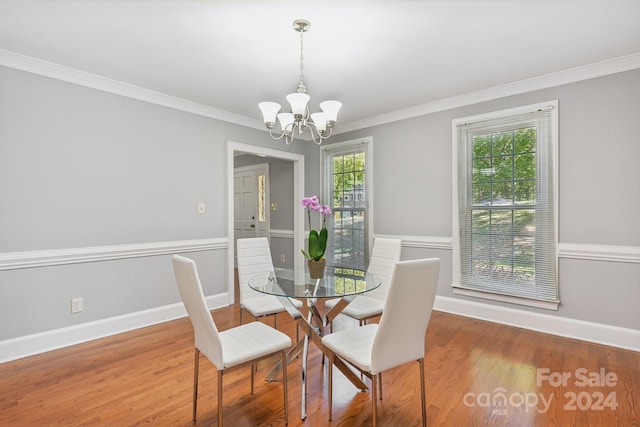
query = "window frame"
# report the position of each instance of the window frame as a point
(457, 287)
(326, 151)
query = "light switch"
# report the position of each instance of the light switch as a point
(200, 208)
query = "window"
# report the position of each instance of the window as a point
(505, 232)
(348, 188)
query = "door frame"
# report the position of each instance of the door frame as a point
(298, 214)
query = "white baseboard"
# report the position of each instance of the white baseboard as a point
(556, 325)
(30, 345)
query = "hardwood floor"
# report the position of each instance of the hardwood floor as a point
(145, 377)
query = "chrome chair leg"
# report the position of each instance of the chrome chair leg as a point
(374, 399)
(330, 368)
(195, 383)
(423, 393)
(254, 368)
(285, 386)
(220, 398)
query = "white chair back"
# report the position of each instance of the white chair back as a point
(207, 339)
(385, 254)
(254, 258)
(400, 337)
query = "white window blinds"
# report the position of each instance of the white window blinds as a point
(506, 235)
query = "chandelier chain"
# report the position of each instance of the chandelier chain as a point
(301, 58)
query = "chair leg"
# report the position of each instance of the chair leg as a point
(241, 312)
(374, 400)
(275, 321)
(380, 384)
(423, 393)
(285, 386)
(220, 398)
(195, 383)
(330, 368)
(254, 367)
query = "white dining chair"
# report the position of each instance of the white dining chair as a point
(385, 254)
(399, 338)
(239, 346)
(254, 258)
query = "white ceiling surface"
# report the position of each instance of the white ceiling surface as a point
(377, 57)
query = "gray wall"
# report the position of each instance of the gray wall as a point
(84, 168)
(599, 188)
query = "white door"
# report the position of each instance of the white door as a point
(251, 201)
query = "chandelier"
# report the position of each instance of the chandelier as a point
(319, 124)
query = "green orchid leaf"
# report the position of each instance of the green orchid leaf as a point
(322, 242)
(314, 247)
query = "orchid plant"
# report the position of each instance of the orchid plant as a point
(317, 240)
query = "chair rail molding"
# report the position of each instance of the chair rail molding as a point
(44, 258)
(590, 252)
(600, 252)
(423, 242)
(281, 234)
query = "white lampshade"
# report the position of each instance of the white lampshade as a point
(286, 120)
(330, 109)
(298, 102)
(269, 111)
(320, 120)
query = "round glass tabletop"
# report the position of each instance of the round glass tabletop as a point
(337, 282)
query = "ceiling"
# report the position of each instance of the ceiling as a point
(377, 57)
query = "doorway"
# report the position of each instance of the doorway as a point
(236, 148)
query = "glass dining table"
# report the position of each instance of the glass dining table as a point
(338, 282)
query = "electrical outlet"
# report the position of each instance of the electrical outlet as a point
(201, 208)
(282, 258)
(76, 305)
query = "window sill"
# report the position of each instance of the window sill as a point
(529, 302)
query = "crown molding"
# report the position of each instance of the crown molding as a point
(49, 69)
(572, 75)
(82, 78)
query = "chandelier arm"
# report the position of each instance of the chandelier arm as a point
(282, 134)
(314, 132)
(325, 135)
(313, 136)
